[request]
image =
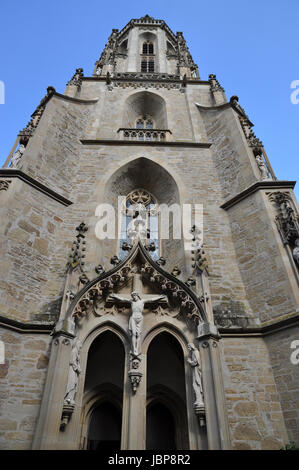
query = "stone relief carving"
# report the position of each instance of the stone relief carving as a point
(147, 85)
(146, 76)
(287, 218)
(4, 185)
(99, 292)
(232, 314)
(186, 304)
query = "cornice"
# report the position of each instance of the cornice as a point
(14, 173)
(257, 187)
(145, 79)
(262, 331)
(117, 142)
(26, 327)
(221, 107)
(74, 100)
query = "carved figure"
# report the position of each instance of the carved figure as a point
(74, 371)
(194, 362)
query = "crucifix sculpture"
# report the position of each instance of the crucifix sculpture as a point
(137, 301)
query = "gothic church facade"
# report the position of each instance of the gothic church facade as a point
(140, 341)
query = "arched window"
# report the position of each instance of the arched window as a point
(145, 122)
(147, 48)
(139, 218)
(147, 57)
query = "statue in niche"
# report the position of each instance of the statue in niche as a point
(296, 252)
(194, 361)
(74, 371)
(17, 156)
(136, 320)
(262, 167)
(137, 227)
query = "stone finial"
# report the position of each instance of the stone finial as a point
(214, 84)
(76, 78)
(78, 247)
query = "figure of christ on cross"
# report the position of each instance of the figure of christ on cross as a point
(137, 303)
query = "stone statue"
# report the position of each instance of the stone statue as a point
(74, 371)
(99, 70)
(262, 167)
(194, 362)
(136, 319)
(137, 226)
(17, 156)
(296, 252)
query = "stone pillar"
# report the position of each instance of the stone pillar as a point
(216, 419)
(133, 51)
(48, 426)
(134, 435)
(161, 62)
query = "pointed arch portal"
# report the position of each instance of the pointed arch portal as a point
(166, 417)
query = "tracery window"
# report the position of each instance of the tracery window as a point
(140, 219)
(147, 65)
(145, 122)
(147, 57)
(148, 48)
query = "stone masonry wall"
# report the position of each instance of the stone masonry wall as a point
(30, 221)
(22, 380)
(264, 274)
(253, 403)
(286, 377)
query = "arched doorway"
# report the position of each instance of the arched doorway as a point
(103, 393)
(104, 431)
(166, 422)
(160, 427)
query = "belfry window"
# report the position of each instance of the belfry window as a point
(147, 57)
(147, 48)
(147, 65)
(145, 122)
(140, 220)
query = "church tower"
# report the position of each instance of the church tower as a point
(150, 264)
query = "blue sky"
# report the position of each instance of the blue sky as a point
(252, 46)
